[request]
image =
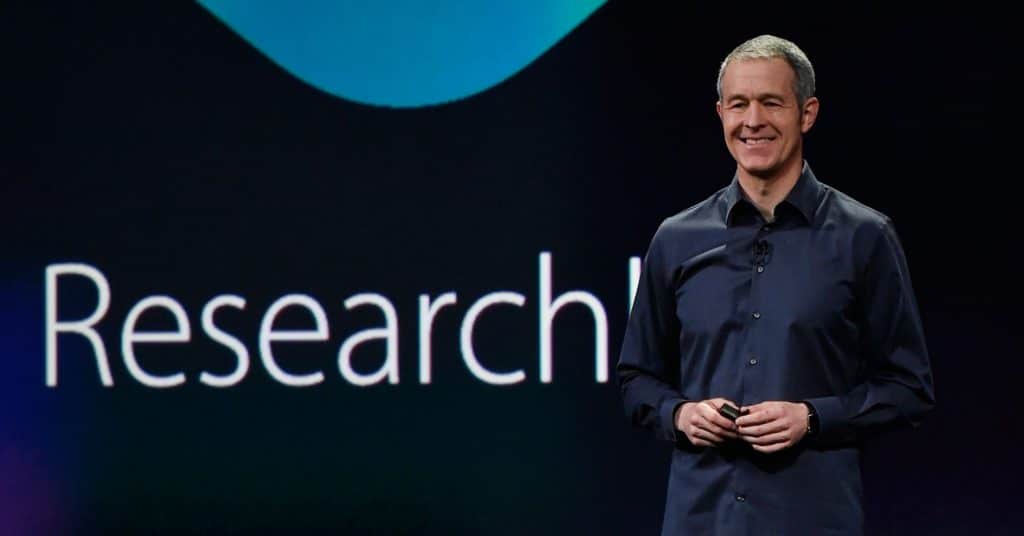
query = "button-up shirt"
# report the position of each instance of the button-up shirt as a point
(815, 306)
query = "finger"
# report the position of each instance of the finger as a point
(707, 435)
(784, 436)
(753, 407)
(755, 417)
(763, 429)
(715, 428)
(709, 411)
(760, 414)
(775, 447)
(719, 402)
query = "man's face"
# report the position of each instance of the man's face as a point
(761, 119)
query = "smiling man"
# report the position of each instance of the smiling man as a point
(774, 327)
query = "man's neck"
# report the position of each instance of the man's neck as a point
(767, 192)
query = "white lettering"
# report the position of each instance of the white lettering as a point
(82, 327)
(129, 337)
(549, 309)
(389, 333)
(634, 280)
(235, 345)
(427, 312)
(268, 335)
(469, 356)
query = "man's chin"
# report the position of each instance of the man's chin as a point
(759, 169)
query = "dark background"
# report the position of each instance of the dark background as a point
(152, 142)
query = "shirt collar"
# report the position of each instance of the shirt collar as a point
(804, 196)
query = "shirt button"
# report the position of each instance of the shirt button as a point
(760, 268)
(753, 360)
(766, 228)
(741, 498)
(757, 315)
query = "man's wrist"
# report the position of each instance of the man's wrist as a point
(813, 425)
(675, 414)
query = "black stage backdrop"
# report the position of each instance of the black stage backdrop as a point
(154, 157)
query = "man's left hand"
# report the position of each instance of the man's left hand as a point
(773, 426)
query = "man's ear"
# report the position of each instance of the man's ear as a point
(809, 114)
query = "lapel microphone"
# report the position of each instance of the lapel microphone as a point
(762, 253)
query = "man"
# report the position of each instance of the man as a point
(784, 298)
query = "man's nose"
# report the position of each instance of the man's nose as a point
(754, 117)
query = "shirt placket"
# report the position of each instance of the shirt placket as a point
(752, 357)
(753, 353)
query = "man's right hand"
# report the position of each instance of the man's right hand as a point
(702, 423)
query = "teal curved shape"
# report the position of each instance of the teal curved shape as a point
(402, 53)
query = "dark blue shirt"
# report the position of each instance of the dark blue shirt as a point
(815, 306)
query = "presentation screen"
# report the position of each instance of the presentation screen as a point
(365, 267)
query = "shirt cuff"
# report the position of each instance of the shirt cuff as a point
(668, 419)
(829, 410)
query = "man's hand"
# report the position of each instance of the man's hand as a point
(702, 423)
(773, 426)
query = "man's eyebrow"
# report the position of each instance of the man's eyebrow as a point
(759, 97)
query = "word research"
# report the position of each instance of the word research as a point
(429, 307)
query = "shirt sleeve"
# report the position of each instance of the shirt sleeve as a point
(898, 387)
(648, 367)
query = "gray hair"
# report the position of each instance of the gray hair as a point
(769, 46)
